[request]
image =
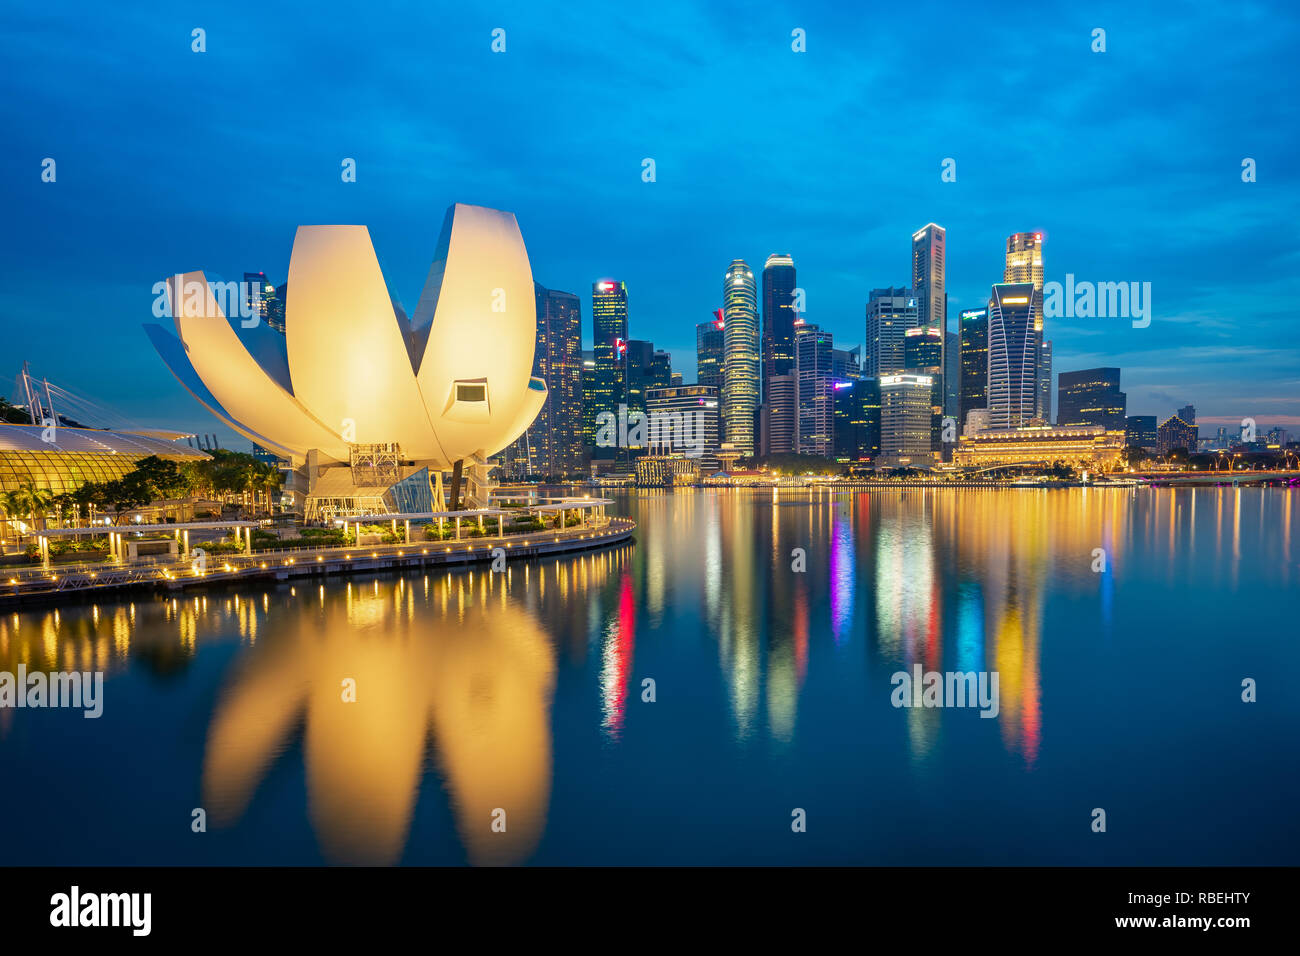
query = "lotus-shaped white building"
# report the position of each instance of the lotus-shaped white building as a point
(452, 383)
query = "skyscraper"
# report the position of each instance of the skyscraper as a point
(905, 415)
(687, 421)
(661, 369)
(557, 360)
(638, 370)
(974, 331)
(928, 278)
(740, 379)
(708, 352)
(1013, 356)
(778, 349)
(923, 353)
(846, 364)
(1188, 414)
(890, 313)
(609, 347)
(1091, 396)
(857, 420)
(1024, 263)
(1175, 433)
(812, 349)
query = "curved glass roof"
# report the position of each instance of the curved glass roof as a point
(28, 438)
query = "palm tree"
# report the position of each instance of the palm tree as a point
(28, 501)
(271, 480)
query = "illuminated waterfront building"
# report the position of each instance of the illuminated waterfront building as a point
(1089, 447)
(778, 428)
(813, 348)
(1024, 263)
(740, 381)
(76, 455)
(1175, 433)
(974, 331)
(687, 421)
(609, 347)
(1091, 396)
(906, 412)
(1013, 356)
(890, 313)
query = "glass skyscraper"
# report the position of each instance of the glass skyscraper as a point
(890, 313)
(813, 350)
(1013, 356)
(740, 381)
(709, 353)
(609, 347)
(1024, 263)
(974, 330)
(1091, 396)
(778, 418)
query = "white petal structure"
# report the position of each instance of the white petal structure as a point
(453, 383)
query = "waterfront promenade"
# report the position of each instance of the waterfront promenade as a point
(27, 586)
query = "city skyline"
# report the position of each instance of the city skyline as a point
(1114, 214)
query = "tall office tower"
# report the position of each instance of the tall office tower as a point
(974, 331)
(687, 422)
(813, 351)
(588, 406)
(905, 414)
(1140, 431)
(1024, 263)
(928, 272)
(609, 348)
(1045, 382)
(923, 353)
(890, 313)
(846, 364)
(554, 438)
(675, 379)
(779, 420)
(708, 352)
(857, 420)
(778, 317)
(1091, 396)
(1013, 356)
(1188, 414)
(661, 369)
(740, 371)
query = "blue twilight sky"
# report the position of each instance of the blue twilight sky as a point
(1129, 161)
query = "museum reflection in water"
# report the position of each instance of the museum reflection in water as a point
(459, 668)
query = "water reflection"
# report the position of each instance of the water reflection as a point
(771, 621)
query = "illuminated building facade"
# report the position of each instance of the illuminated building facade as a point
(740, 381)
(1175, 433)
(778, 352)
(552, 445)
(1013, 356)
(1087, 447)
(923, 353)
(1091, 396)
(693, 417)
(890, 313)
(1024, 263)
(76, 456)
(813, 348)
(906, 412)
(609, 347)
(974, 331)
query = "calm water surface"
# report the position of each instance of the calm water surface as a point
(523, 692)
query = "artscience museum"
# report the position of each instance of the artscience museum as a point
(376, 410)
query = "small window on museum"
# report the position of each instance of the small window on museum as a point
(471, 392)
